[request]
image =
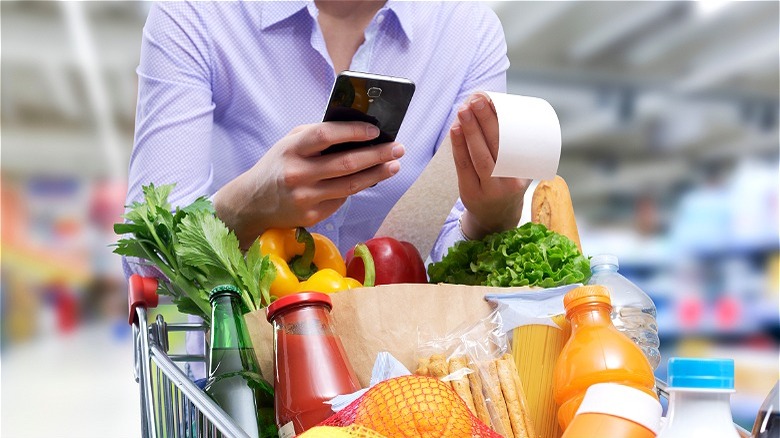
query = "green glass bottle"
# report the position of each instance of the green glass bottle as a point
(235, 381)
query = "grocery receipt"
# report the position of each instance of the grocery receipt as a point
(529, 147)
(529, 137)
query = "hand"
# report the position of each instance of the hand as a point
(492, 204)
(293, 185)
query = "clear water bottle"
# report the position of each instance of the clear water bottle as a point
(633, 312)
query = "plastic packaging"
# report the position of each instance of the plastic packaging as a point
(615, 411)
(699, 392)
(768, 421)
(596, 352)
(476, 363)
(633, 312)
(309, 362)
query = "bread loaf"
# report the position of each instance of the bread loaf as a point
(551, 206)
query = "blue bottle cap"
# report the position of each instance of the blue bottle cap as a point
(701, 373)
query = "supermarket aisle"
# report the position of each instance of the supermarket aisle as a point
(77, 385)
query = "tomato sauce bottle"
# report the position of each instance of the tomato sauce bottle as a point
(309, 362)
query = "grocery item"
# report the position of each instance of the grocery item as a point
(768, 420)
(535, 349)
(395, 262)
(412, 406)
(234, 381)
(551, 206)
(596, 352)
(194, 250)
(309, 361)
(530, 255)
(306, 262)
(351, 431)
(615, 411)
(501, 386)
(699, 393)
(633, 312)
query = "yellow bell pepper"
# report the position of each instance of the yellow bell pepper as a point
(308, 262)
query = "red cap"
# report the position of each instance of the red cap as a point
(295, 300)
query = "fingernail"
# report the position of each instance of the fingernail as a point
(372, 131)
(465, 114)
(394, 167)
(398, 151)
(456, 130)
(478, 103)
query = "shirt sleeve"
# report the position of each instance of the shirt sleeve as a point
(487, 73)
(174, 112)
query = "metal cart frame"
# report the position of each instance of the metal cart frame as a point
(172, 406)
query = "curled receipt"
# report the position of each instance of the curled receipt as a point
(529, 137)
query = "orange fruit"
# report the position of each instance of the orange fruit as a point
(415, 406)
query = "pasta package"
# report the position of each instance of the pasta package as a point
(535, 348)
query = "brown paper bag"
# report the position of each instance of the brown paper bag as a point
(387, 318)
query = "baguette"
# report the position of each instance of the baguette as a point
(551, 206)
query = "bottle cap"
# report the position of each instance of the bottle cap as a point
(624, 402)
(296, 300)
(701, 373)
(223, 289)
(586, 294)
(604, 259)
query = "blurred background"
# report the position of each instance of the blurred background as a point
(669, 114)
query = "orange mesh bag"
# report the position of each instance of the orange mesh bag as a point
(412, 406)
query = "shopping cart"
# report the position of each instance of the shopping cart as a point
(172, 405)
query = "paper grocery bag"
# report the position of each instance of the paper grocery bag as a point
(387, 318)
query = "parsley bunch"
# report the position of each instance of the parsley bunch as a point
(194, 250)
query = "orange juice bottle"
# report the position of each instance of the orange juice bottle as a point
(596, 352)
(615, 411)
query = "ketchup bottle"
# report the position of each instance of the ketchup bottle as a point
(309, 362)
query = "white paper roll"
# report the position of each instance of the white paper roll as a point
(529, 142)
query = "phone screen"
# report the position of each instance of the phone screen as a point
(381, 101)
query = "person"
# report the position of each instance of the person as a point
(231, 94)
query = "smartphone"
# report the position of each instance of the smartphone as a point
(376, 99)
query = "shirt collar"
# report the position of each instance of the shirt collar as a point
(404, 14)
(278, 11)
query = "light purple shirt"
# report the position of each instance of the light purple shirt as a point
(219, 83)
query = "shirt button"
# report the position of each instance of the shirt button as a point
(380, 19)
(329, 227)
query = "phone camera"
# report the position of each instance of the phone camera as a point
(374, 92)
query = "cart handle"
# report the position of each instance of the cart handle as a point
(141, 292)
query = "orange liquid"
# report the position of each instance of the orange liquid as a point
(596, 352)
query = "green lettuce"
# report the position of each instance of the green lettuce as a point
(530, 255)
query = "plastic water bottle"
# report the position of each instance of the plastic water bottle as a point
(699, 399)
(633, 312)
